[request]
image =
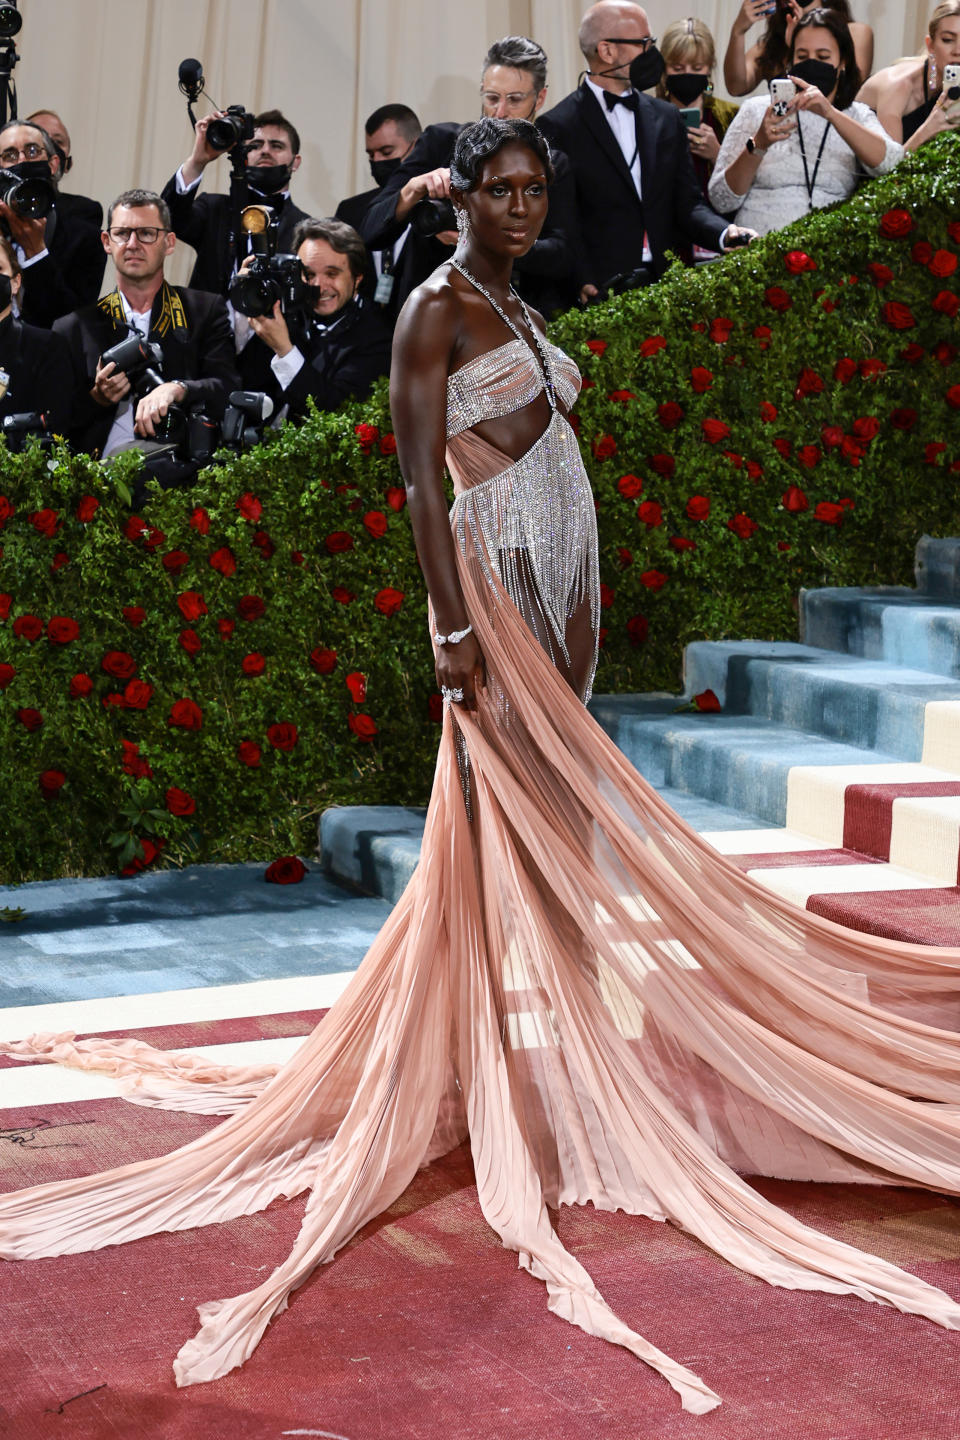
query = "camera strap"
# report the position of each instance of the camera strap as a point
(811, 183)
(172, 315)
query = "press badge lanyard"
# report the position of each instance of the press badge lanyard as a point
(386, 278)
(811, 184)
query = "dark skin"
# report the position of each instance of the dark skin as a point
(445, 324)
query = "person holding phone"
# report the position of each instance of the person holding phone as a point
(744, 70)
(775, 167)
(917, 98)
(689, 56)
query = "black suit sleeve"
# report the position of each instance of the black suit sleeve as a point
(434, 149)
(86, 418)
(189, 213)
(64, 279)
(215, 363)
(693, 217)
(342, 372)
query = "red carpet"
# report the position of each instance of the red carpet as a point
(424, 1329)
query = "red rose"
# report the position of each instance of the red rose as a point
(620, 397)
(783, 447)
(282, 736)
(707, 702)
(200, 520)
(865, 427)
(7, 511)
(87, 508)
(250, 507)
(47, 522)
(913, 353)
(296, 556)
(342, 595)
(61, 629)
(808, 456)
(932, 452)
(809, 383)
(80, 685)
(51, 783)
(650, 513)
(828, 513)
(768, 412)
(797, 262)
(30, 719)
(597, 346)
(134, 615)
(682, 546)
(946, 303)
(190, 641)
(119, 664)
(223, 562)
(778, 299)
(742, 526)
(288, 870)
(367, 435)
(28, 627)
(953, 230)
(700, 379)
(630, 486)
(624, 558)
(388, 601)
(153, 539)
(357, 685)
(253, 664)
(754, 470)
(832, 436)
(136, 694)
(852, 449)
(435, 708)
(133, 762)
(637, 629)
(338, 542)
(362, 726)
(953, 397)
(903, 418)
(895, 224)
(607, 596)
(263, 543)
(653, 579)
(248, 753)
(175, 561)
(150, 850)
(651, 346)
(898, 315)
(7, 673)
(783, 545)
(225, 628)
(604, 446)
(794, 500)
(922, 252)
(880, 274)
(763, 335)
(735, 460)
(388, 445)
(670, 414)
(720, 330)
(192, 605)
(323, 661)
(664, 465)
(698, 507)
(698, 327)
(714, 430)
(185, 715)
(943, 353)
(5, 602)
(375, 523)
(396, 497)
(871, 368)
(134, 527)
(250, 607)
(942, 263)
(59, 560)
(179, 802)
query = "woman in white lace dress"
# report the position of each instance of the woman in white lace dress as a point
(773, 169)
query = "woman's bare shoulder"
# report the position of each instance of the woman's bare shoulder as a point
(432, 313)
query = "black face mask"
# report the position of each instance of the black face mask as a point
(687, 88)
(817, 72)
(269, 179)
(381, 170)
(6, 291)
(646, 68)
(32, 170)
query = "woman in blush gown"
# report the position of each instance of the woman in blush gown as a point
(606, 1008)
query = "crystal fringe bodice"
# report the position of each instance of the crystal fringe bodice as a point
(503, 380)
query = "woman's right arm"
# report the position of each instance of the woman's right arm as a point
(736, 169)
(740, 70)
(423, 348)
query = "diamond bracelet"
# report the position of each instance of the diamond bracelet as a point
(453, 638)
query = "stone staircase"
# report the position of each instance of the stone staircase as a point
(831, 771)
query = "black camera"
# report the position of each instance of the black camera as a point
(33, 199)
(246, 415)
(234, 127)
(138, 359)
(16, 429)
(268, 279)
(429, 217)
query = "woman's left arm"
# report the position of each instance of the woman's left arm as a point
(871, 145)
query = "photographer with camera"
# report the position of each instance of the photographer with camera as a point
(208, 222)
(56, 236)
(36, 377)
(331, 346)
(513, 85)
(194, 358)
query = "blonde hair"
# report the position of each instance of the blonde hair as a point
(690, 40)
(944, 11)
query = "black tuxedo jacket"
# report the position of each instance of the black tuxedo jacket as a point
(41, 375)
(409, 264)
(544, 276)
(340, 363)
(204, 221)
(71, 272)
(610, 213)
(204, 359)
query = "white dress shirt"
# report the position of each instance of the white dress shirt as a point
(121, 431)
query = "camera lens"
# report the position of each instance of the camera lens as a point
(224, 132)
(429, 217)
(33, 199)
(10, 19)
(254, 295)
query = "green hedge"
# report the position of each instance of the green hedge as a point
(789, 417)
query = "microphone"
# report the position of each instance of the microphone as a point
(190, 78)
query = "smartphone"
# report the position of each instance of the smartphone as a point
(781, 93)
(951, 81)
(692, 118)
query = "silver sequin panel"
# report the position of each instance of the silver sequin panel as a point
(536, 521)
(503, 380)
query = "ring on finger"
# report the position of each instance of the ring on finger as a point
(452, 695)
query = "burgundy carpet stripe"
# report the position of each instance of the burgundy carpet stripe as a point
(868, 812)
(209, 1032)
(918, 917)
(783, 858)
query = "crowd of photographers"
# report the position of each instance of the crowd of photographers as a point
(283, 308)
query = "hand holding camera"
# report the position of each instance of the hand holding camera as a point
(425, 202)
(203, 152)
(110, 385)
(29, 233)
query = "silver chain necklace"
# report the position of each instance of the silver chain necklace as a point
(544, 362)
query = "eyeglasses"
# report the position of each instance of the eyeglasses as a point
(13, 156)
(491, 99)
(643, 43)
(146, 234)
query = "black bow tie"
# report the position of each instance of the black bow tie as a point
(630, 99)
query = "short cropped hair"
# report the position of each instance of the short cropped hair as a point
(280, 121)
(406, 120)
(140, 199)
(517, 52)
(476, 143)
(339, 236)
(47, 139)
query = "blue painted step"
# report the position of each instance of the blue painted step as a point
(899, 626)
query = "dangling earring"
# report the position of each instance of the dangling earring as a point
(463, 223)
(709, 89)
(933, 73)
